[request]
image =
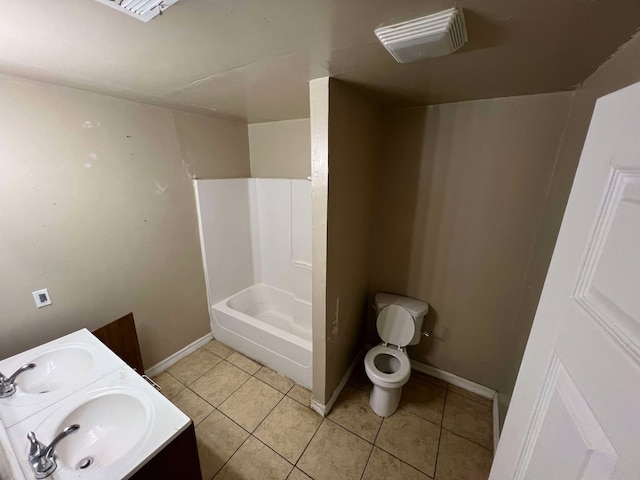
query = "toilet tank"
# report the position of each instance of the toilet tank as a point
(416, 308)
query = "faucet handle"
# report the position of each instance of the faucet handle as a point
(7, 385)
(35, 446)
(41, 458)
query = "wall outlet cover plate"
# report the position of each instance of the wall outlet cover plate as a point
(41, 297)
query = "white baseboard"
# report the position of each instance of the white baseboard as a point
(496, 422)
(179, 355)
(468, 385)
(324, 409)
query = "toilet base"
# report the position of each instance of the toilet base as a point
(384, 401)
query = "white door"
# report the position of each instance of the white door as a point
(575, 412)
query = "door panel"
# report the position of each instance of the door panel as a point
(575, 412)
(613, 257)
(567, 425)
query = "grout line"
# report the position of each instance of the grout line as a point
(239, 387)
(307, 446)
(200, 397)
(234, 452)
(378, 431)
(270, 411)
(167, 372)
(435, 465)
(403, 461)
(256, 438)
(355, 433)
(345, 428)
(194, 381)
(366, 464)
(305, 405)
(284, 393)
(210, 413)
(470, 441)
(310, 439)
(469, 398)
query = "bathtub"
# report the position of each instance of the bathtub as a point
(269, 325)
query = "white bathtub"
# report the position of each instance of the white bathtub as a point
(269, 325)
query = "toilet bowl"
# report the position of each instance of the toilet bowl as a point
(388, 369)
(398, 322)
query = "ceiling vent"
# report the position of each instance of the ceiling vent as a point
(425, 37)
(143, 10)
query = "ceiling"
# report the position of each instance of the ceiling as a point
(252, 59)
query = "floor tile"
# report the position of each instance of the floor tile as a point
(170, 387)
(219, 348)
(460, 459)
(469, 419)
(470, 395)
(251, 403)
(194, 365)
(192, 405)
(334, 453)
(410, 438)
(289, 428)
(218, 438)
(297, 474)
(300, 394)
(352, 411)
(360, 380)
(219, 383)
(254, 461)
(428, 378)
(272, 378)
(244, 363)
(382, 466)
(424, 399)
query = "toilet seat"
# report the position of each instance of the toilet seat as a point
(387, 380)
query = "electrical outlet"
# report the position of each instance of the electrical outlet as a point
(41, 298)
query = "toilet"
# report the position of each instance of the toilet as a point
(399, 323)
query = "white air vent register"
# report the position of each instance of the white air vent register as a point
(430, 36)
(143, 10)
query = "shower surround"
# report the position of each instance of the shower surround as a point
(256, 247)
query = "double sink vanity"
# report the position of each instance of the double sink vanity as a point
(79, 412)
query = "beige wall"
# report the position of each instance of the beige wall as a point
(319, 128)
(96, 207)
(462, 190)
(354, 157)
(621, 70)
(212, 148)
(280, 149)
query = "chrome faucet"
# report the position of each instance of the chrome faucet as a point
(8, 385)
(42, 459)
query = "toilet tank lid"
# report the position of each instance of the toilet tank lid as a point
(415, 307)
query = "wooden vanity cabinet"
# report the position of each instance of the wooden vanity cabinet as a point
(121, 337)
(176, 461)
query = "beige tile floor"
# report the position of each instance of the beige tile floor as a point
(251, 423)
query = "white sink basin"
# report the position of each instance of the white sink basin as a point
(63, 367)
(59, 368)
(112, 425)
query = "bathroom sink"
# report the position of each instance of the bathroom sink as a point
(62, 367)
(56, 369)
(112, 424)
